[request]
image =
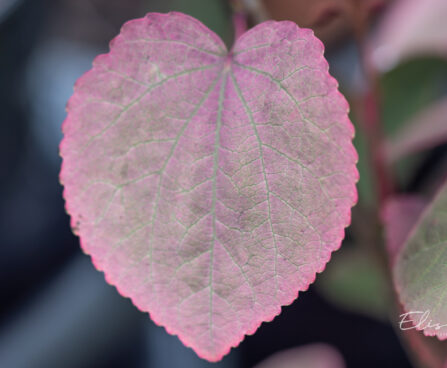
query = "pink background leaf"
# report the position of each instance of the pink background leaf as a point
(209, 186)
(424, 131)
(420, 271)
(309, 356)
(410, 28)
(400, 214)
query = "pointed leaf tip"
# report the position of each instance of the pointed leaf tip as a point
(209, 188)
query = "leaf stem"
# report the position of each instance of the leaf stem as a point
(371, 106)
(239, 19)
(423, 352)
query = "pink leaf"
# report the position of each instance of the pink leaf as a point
(209, 186)
(410, 28)
(424, 131)
(309, 356)
(399, 215)
(420, 271)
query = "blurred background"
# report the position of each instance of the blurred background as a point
(57, 311)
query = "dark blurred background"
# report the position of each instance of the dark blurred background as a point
(56, 310)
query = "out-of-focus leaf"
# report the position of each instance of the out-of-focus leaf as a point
(309, 356)
(399, 215)
(354, 282)
(409, 89)
(410, 28)
(420, 271)
(425, 130)
(331, 20)
(328, 18)
(210, 186)
(406, 91)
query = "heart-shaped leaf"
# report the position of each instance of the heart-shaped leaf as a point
(209, 186)
(420, 271)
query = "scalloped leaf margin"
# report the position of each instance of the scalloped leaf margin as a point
(209, 185)
(420, 272)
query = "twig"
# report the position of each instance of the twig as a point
(371, 106)
(424, 353)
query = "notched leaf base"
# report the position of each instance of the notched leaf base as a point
(209, 190)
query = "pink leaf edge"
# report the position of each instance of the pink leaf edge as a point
(96, 215)
(400, 214)
(410, 28)
(423, 225)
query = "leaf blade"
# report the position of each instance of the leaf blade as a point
(400, 214)
(410, 28)
(177, 195)
(419, 272)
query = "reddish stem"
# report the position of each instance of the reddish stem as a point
(371, 106)
(426, 352)
(375, 136)
(240, 24)
(239, 19)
